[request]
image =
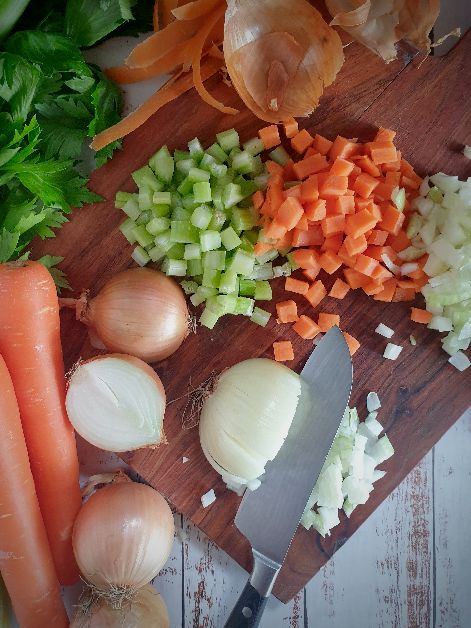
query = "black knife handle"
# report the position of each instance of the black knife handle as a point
(248, 611)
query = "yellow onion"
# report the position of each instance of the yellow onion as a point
(145, 609)
(139, 311)
(280, 56)
(122, 538)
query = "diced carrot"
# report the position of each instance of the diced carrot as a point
(333, 243)
(392, 177)
(294, 190)
(258, 199)
(283, 351)
(343, 148)
(309, 189)
(315, 210)
(383, 191)
(310, 165)
(404, 294)
(355, 279)
(273, 168)
(339, 289)
(374, 287)
(285, 243)
(406, 283)
(382, 152)
(316, 293)
(416, 274)
(392, 219)
(333, 224)
(321, 144)
(378, 237)
(345, 205)
(306, 327)
(276, 230)
(334, 185)
(421, 282)
(376, 252)
(355, 246)
(353, 343)
(392, 166)
(289, 213)
(409, 182)
(261, 247)
(288, 171)
(327, 321)
(359, 223)
(367, 165)
(365, 184)
(306, 258)
(387, 294)
(303, 223)
(287, 311)
(296, 285)
(381, 274)
(270, 136)
(385, 135)
(400, 241)
(310, 151)
(366, 265)
(312, 237)
(291, 127)
(342, 167)
(362, 203)
(301, 141)
(375, 211)
(330, 262)
(311, 273)
(348, 260)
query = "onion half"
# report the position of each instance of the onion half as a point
(117, 402)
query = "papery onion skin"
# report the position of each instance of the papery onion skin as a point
(123, 536)
(245, 420)
(146, 609)
(80, 405)
(275, 41)
(141, 312)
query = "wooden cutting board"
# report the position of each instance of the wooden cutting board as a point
(421, 394)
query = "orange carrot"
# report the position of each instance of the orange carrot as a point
(341, 167)
(26, 562)
(301, 141)
(287, 311)
(333, 224)
(385, 135)
(269, 136)
(326, 321)
(306, 327)
(290, 212)
(367, 165)
(366, 265)
(358, 224)
(291, 127)
(365, 184)
(343, 148)
(31, 347)
(306, 258)
(302, 224)
(382, 152)
(330, 262)
(275, 231)
(333, 243)
(378, 237)
(316, 293)
(374, 287)
(420, 316)
(355, 279)
(355, 246)
(353, 344)
(166, 11)
(296, 285)
(294, 190)
(387, 294)
(400, 241)
(283, 351)
(345, 205)
(339, 289)
(392, 219)
(321, 144)
(311, 273)
(315, 210)
(404, 294)
(334, 185)
(310, 165)
(309, 189)
(312, 237)
(257, 199)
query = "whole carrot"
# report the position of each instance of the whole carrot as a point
(26, 561)
(31, 347)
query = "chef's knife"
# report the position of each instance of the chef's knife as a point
(269, 516)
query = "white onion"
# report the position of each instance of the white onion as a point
(392, 351)
(208, 498)
(372, 402)
(245, 421)
(384, 330)
(460, 361)
(117, 402)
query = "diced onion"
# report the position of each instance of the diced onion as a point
(390, 265)
(412, 340)
(460, 361)
(208, 498)
(392, 351)
(372, 402)
(384, 330)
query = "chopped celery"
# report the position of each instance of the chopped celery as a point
(157, 253)
(195, 267)
(162, 198)
(144, 217)
(201, 216)
(158, 225)
(208, 318)
(242, 263)
(229, 238)
(145, 178)
(176, 199)
(252, 236)
(122, 198)
(254, 146)
(192, 251)
(261, 181)
(217, 152)
(211, 278)
(246, 244)
(163, 240)
(143, 237)
(162, 164)
(260, 317)
(197, 174)
(183, 231)
(263, 272)
(244, 306)
(176, 251)
(189, 287)
(218, 220)
(174, 267)
(131, 208)
(145, 198)
(207, 162)
(242, 219)
(214, 260)
(279, 156)
(263, 291)
(247, 188)
(160, 210)
(210, 240)
(229, 282)
(247, 287)
(180, 213)
(269, 256)
(217, 199)
(196, 299)
(222, 304)
(202, 192)
(243, 162)
(140, 256)
(259, 167)
(185, 165)
(291, 261)
(195, 148)
(228, 139)
(127, 229)
(218, 170)
(185, 187)
(178, 155)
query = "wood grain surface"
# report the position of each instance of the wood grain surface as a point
(422, 395)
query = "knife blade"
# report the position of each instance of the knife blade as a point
(269, 516)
